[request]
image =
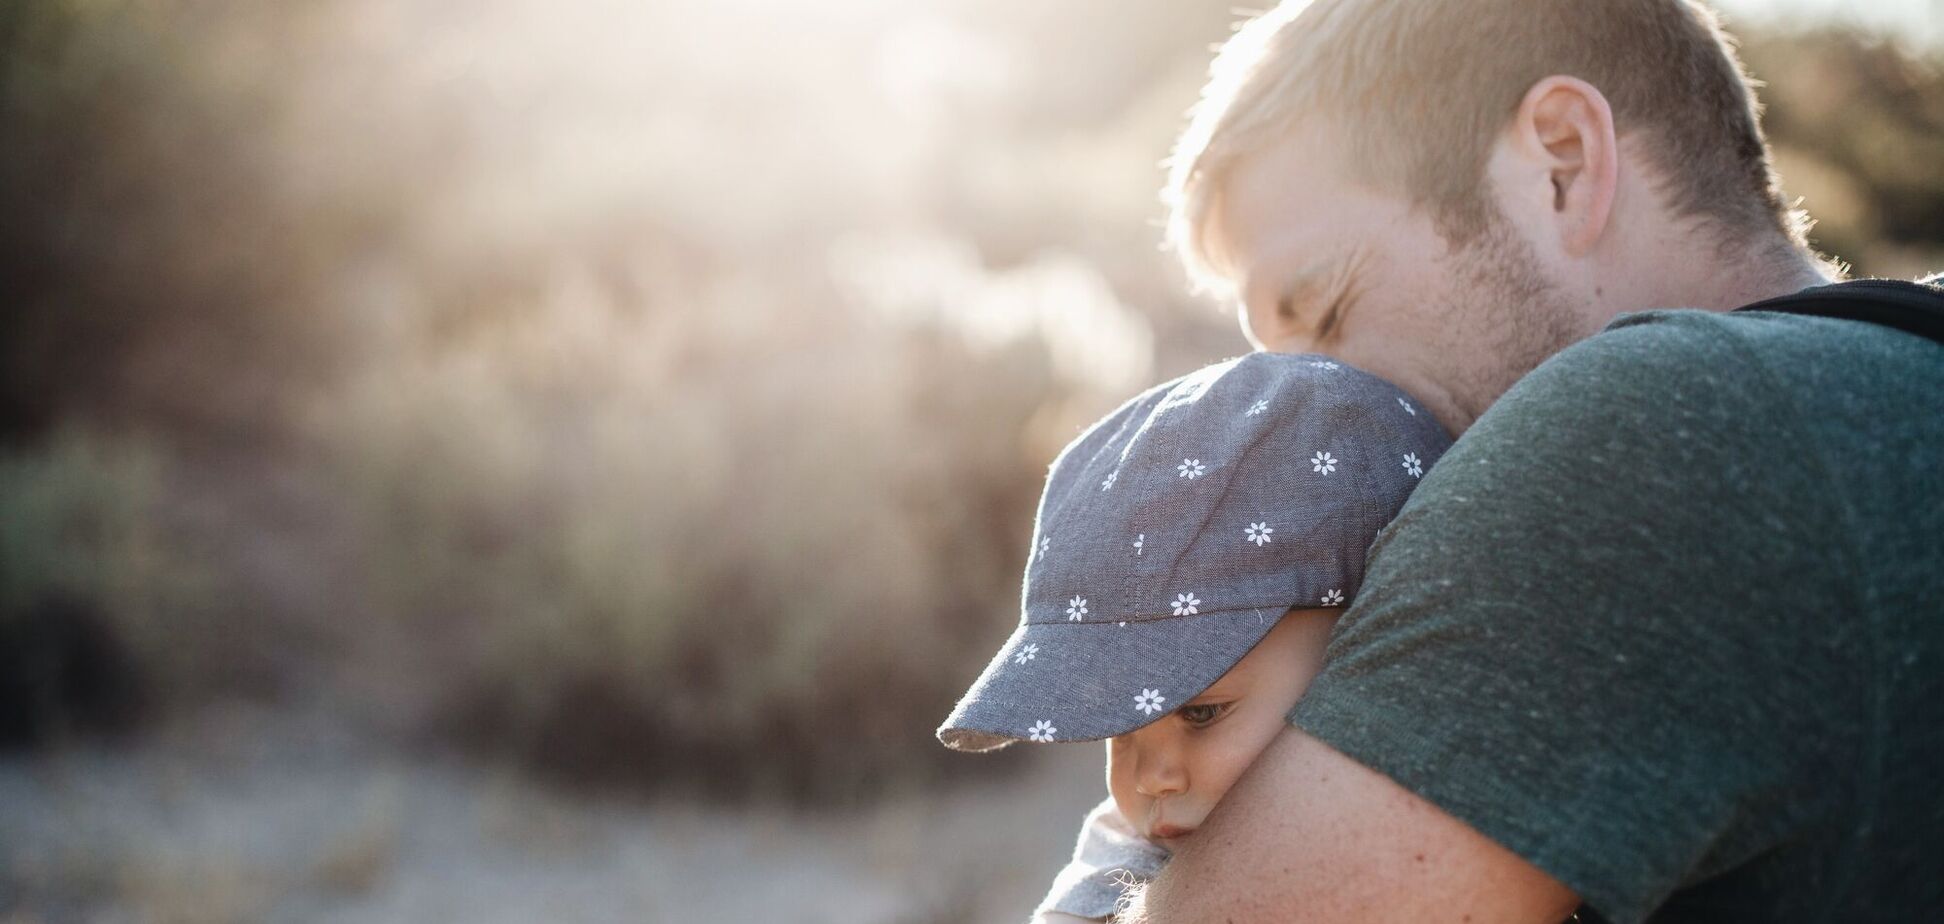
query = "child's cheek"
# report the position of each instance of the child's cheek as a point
(1223, 763)
(1120, 784)
(1237, 745)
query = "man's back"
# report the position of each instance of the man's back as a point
(1669, 623)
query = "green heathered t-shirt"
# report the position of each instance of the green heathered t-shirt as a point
(1668, 622)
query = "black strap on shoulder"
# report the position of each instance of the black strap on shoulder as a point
(1916, 308)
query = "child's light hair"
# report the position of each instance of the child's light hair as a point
(1421, 90)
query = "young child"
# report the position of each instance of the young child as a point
(1191, 553)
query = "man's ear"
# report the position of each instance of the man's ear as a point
(1564, 133)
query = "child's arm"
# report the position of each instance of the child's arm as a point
(1109, 856)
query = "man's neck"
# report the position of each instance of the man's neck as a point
(1780, 274)
(1712, 277)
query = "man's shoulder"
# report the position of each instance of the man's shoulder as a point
(1807, 426)
(1751, 335)
(1647, 346)
(1676, 407)
(1646, 374)
(1699, 366)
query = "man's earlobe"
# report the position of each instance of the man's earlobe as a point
(1567, 124)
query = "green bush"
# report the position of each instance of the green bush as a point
(151, 265)
(101, 613)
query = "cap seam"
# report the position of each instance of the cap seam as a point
(1256, 438)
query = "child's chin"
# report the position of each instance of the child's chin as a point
(1170, 835)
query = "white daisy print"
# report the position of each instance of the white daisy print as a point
(1406, 405)
(1149, 701)
(1333, 598)
(1191, 469)
(1077, 608)
(1028, 653)
(1258, 533)
(1044, 544)
(1325, 364)
(1257, 408)
(1413, 465)
(1185, 605)
(1108, 482)
(1042, 730)
(1140, 542)
(1323, 463)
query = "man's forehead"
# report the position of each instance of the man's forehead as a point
(1282, 198)
(1296, 252)
(1285, 216)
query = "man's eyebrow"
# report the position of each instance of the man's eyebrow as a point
(1303, 281)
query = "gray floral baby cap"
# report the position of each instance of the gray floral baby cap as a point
(1175, 532)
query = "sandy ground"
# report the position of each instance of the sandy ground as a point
(248, 819)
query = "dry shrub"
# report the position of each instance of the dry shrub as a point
(644, 542)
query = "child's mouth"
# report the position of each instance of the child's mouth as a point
(1170, 832)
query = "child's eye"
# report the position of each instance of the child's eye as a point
(1201, 715)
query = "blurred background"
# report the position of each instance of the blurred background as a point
(558, 461)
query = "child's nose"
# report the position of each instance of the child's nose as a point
(1160, 773)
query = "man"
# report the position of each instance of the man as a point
(1664, 633)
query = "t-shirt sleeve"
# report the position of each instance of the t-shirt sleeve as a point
(1582, 636)
(1109, 857)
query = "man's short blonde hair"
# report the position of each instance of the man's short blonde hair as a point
(1423, 88)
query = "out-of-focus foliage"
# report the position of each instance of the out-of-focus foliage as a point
(98, 602)
(656, 546)
(1858, 127)
(151, 266)
(643, 392)
(631, 415)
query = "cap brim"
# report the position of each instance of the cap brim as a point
(1084, 681)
